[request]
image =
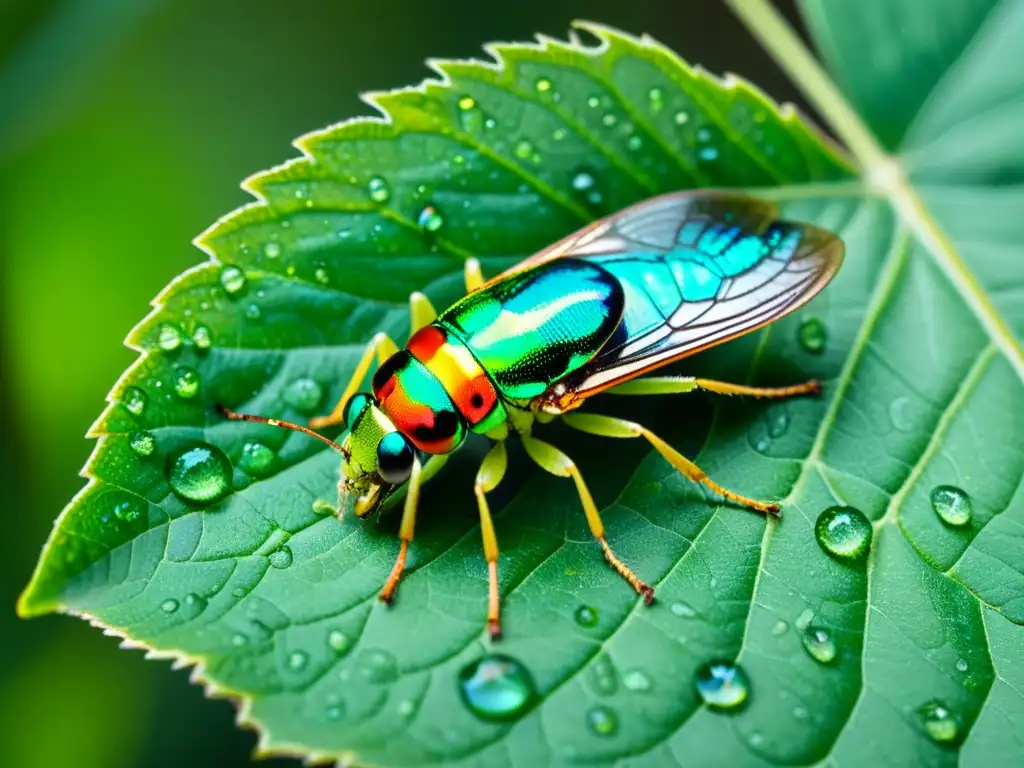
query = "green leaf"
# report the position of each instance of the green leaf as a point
(923, 370)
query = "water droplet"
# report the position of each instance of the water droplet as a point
(584, 184)
(297, 660)
(170, 605)
(233, 279)
(656, 97)
(430, 219)
(952, 505)
(682, 118)
(134, 400)
(339, 642)
(593, 102)
(939, 722)
(586, 616)
(238, 640)
(271, 250)
(378, 666)
(336, 712)
(186, 383)
(545, 90)
(813, 335)
(252, 312)
(496, 688)
(323, 507)
(609, 119)
(127, 511)
(405, 708)
(200, 473)
(683, 610)
(143, 443)
(898, 413)
(722, 685)
(195, 604)
(280, 558)
(843, 532)
(524, 151)
(304, 395)
(779, 628)
(257, 459)
(470, 115)
(800, 713)
(756, 739)
(605, 680)
(169, 338)
(634, 143)
(202, 338)
(820, 644)
(961, 665)
(378, 190)
(636, 680)
(602, 720)
(467, 103)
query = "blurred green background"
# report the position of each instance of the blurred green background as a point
(125, 129)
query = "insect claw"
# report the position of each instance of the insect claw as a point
(773, 509)
(648, 594)
(814, 387)
(494, 629)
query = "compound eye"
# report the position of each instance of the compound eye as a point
(394, 458)
(354, 407)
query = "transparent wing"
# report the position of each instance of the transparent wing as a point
(697, 269)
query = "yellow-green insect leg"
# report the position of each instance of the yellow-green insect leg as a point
(552, 460)
(473, 275)
(405, 531)
(490, 474)
(674, 385)
(382, 347)
(421, 312)
(606, 426)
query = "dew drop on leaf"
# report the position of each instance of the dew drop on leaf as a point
(843, 532)
(169, 338)
(634, 143)
(195, 604)
(378, 666)
(606, 682)
(586, 616)
(779, 628)
(585, 188)
(683, 610)
(545, 90)
(722, 685)
(202, 338)
(378, 190)
(143, 443)
(593, 102)
(707, 154)
(281, 558)
(323, 508)
(233, 279)
(199, 473)
(609, 119)
(238, 640)
(496, 688)
(252, 312)
(682, 118)
(257, 459)
(304, 395)
(471, 117)
(321, 276)
(126, 511)
(820, 644)
(170, 605)
(812, 335)
(635, 680)
(272, 250)
(656, 98)
(339, 642)
(602, 720)
(430, 219)
(297, 660)
(898, 413)
(186, 383)
(134, 400)
(961, 665)
(952, 505)
(939, 722)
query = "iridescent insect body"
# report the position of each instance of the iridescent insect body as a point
(632, 292)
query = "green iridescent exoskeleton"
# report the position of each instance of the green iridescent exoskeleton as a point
(538, 326)
(625, 295)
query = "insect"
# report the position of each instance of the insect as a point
(629, 293)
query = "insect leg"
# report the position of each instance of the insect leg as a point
(672, 385)
(554, 461)
(491, 472)
(380, 346)
(473, 274)
(421, 312)
(606, 426)
(405, 531)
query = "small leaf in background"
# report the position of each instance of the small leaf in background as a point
(770, 642)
